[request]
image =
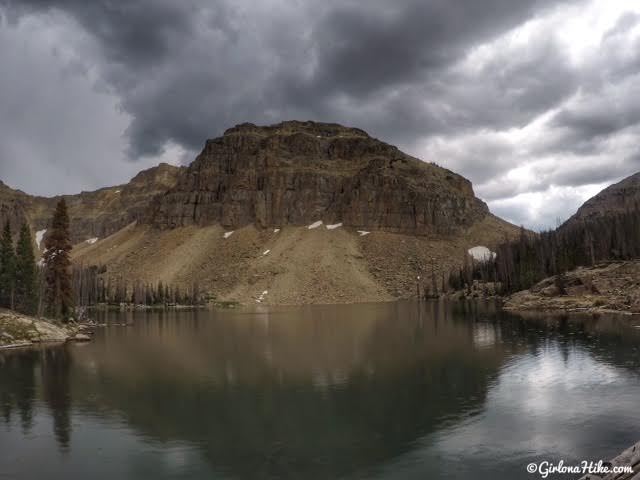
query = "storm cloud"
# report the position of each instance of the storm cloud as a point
(529, 99)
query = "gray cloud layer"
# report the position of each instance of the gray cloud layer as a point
(436, 77)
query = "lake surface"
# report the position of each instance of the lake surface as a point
(386, 391)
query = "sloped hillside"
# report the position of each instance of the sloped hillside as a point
(293, 265)
(617, 198)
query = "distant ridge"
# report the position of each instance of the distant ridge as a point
(617, 198)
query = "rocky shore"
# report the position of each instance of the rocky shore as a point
(610, 287)
(18, 330)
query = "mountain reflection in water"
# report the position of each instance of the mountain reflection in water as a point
(397, 390)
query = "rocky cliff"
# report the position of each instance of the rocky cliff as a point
(93, 214)
(13, 206)
(296, 173)
(617, 198)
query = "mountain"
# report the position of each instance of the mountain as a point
(617, 198)
(12, 206)
(295, 173)
(591, 260)
(297, 212)
(93, 214)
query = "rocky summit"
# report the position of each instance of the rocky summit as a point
(296, 173)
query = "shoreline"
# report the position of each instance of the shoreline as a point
(564, 310)
(612, 287)
(19, 331)
(23, 331)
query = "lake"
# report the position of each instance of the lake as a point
(403, 390)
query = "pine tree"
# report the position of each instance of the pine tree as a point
(58, 292)
(25, 273)
(7, 267)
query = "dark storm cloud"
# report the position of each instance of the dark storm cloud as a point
(512, 88)
(187, 70)
(129, 32)
(361, 50)
(610, 110)
(607, 101)
(589, 173)
(483, 88)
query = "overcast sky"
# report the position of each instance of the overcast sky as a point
(536, 101)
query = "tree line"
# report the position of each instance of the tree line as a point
(521, 263)
(18, 273)
(92, 288)
(54, 286)
(32, 288)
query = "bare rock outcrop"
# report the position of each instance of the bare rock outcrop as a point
(295, 173)
(13, 204)
(18, 330)
(608, 287)
(620, 197)
(93, 214)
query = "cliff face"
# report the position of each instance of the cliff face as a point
(105, 211)
(617, 198)
(296, 173)
(12, 207)
(92, 214)
(292, 173)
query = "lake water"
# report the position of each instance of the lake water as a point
(386, 391)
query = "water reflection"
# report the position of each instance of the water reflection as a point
(56, 390)
(29, 374)
(315, 392)
(17, 389)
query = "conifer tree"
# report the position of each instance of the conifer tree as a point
(58, 292)
(7, 267)
(25, 273)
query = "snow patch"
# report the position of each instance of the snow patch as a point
(334, 226)
(363, 233)
(228, 234)
(266, 252)
(315, 225)
(117, 191)
(91, 241)
(481, 253)
(276, 230)
(40, 236)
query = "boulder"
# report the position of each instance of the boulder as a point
(81, 337)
